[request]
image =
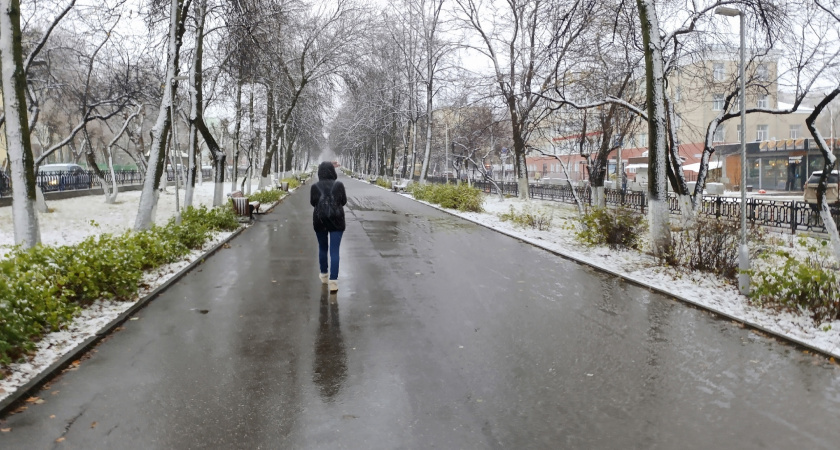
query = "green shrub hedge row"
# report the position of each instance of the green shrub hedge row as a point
(267, 196)
(455, 196)
(42, 288)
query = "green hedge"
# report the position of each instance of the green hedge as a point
(43, 288)
(267, 196)
(455, 196)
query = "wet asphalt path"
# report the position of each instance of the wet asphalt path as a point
(443, 335)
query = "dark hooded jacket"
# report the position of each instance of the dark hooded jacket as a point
(327, 182)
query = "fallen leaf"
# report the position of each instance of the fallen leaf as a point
(52, 416)
(61, 439)
(5, 430)
(93, 425)
(20, 409)
(32, 399)
(40, 401)
(55, 392)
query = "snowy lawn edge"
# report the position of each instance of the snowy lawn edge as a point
(700, 290)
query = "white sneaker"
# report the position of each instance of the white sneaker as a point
(333, 285)
(324, 278)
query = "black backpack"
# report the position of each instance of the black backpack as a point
(328, 210)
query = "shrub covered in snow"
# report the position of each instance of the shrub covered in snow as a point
(616, 227)
(796, 282)
(709, 245)
(540, 219)
(42, 288)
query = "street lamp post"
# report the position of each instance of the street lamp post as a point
(743, 250)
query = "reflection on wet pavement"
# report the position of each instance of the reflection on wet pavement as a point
(330, 367)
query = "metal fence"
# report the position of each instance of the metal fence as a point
(787, 215)
(76, 180)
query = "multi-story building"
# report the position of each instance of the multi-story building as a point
(780, 154)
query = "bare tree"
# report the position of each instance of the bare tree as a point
(27, 232)
(527, 44)
(163, 124)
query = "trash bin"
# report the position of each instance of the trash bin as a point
(284, 185)
(749, 188)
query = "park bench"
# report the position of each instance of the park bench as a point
(401, 185)
(243, 206)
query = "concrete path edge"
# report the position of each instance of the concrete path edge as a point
(16, 398)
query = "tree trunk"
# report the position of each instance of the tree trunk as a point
(658, 214)
(160, 131)
(829, 165)
(428, 153)
(19, 148)
(270, 147)
(237, 132)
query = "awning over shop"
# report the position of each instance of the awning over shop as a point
(696, 166)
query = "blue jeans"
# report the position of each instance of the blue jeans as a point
(329, 242)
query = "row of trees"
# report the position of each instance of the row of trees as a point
(465, 78)
(163, 81)
(598, 70)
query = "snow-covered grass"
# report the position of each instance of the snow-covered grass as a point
(71, 221)
(702, 289)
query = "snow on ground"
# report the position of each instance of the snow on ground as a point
(702, 289)
(70, 222)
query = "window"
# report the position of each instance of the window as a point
(643, 140)
(762, 73)
(718, 72)
(762, 101)
(794, 131)
(720, 134)
(761, 132)
(717, 102)
(738, 128)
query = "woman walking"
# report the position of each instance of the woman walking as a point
(328, 198)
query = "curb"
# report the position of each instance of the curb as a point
(641, 283)
(7, 404)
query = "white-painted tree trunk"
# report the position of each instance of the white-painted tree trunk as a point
(658, 215)
(687, 213)
(21, 161)
(150, 194)
(599, 198)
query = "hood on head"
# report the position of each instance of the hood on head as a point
(326, 171)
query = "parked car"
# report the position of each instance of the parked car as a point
(832, 192)
(62, 177)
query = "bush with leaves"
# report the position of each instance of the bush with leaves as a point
(808, 282)
(709, 245)
(618, 228)
(540, 219)
(454, 196)
(266, 197)
(383, 182)
(42, 288)
(293, 182)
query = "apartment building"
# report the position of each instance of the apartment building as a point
(779, 152)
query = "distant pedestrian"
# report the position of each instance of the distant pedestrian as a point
(328, 198)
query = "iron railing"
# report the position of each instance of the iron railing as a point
(86, 179)
(789, 215)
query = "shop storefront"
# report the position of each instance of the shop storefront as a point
(772, 165)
